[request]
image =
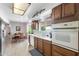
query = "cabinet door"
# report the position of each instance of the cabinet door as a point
(68, 9)
(62, 51)
(55, 53)
(40, 45)
(47, 48)
(35, 42)
(57, 12)
(77, 54)
(33, 25)
(52, 16)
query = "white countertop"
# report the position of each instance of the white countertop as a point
(39, 36)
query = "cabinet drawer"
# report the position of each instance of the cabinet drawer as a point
(63, 51)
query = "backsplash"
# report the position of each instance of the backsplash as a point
(45, 32)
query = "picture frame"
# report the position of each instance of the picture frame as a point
(18, 28)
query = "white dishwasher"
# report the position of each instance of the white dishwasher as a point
(32, 40)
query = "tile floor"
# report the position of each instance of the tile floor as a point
(18, 49)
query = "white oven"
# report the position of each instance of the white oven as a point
(66, 34)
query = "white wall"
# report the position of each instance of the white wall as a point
(3, 14)
(14, 24)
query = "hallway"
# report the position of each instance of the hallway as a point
(17, 49)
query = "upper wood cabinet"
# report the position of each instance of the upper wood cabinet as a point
(65, 12)
(35, 24)
(68, 9)
(52, 15)
(57, 12)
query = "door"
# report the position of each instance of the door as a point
(68, 9)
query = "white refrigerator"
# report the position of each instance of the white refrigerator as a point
(0, 38)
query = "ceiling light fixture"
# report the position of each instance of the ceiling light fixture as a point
(20, 8)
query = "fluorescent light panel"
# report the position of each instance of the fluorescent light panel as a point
(16, 11)
(20, 8)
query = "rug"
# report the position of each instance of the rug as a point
(34, 52)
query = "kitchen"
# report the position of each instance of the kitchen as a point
(51, 29)
(61, 35)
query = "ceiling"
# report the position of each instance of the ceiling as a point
(34, 7)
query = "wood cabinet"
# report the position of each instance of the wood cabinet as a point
(68, 9)
(52, 16)
(78, 54)
(65, 12)
(57, 12)
(59, 51)
(35, 42)
(35, 24)
(47, 48)
(40, 45)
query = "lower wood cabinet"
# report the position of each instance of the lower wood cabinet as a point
(56, 53)
(59, 51)
(78, 54)
(47, 48)
(35, 42)
(40, 45)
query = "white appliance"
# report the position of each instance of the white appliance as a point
(0, 38)
(66, 35)
(32, 40)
